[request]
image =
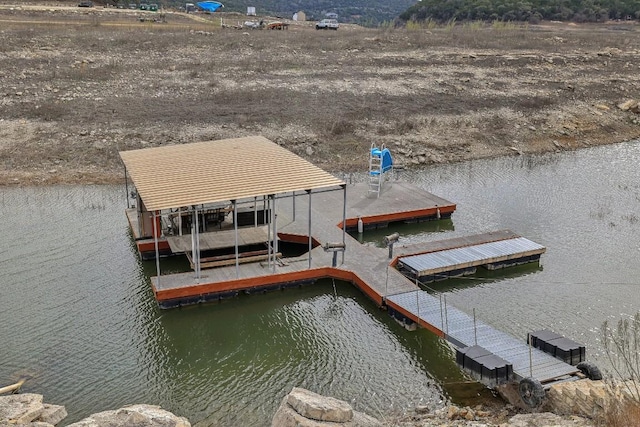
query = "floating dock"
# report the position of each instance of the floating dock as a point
(455, 260)
(251, 216)
(463, 331)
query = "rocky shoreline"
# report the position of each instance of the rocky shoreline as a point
(582, 403)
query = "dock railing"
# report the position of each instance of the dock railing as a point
(452, 322)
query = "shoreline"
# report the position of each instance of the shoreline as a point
(94, 176)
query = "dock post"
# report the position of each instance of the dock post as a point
(275, 233)
(155, 242)
(386, 283)
(196, 240)
(530, 360)
(418, 305)
(441, 315)
(126, 187)
(310, 242)
(294, 206)
(235, 230)
(255, 211)
(267, 220)
(446, 317)
(344, 220)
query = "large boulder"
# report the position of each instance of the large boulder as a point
(20, 408)
(303, 408)
(591, 399)
(52, 414)
(134, 415)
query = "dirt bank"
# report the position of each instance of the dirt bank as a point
(79, 85)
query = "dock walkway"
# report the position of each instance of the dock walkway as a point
(458, 328)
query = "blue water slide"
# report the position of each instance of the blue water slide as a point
(210, 6)
(385, 155)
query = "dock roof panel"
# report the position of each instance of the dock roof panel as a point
(217, 171)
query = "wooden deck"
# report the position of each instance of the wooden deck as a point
(368, 267)
(219, 239)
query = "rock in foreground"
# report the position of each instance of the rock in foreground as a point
(134, 415)
(28, 409)
(303, 408)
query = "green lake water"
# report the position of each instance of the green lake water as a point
(78, 317)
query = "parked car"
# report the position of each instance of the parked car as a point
(327, 24)
(85, 4)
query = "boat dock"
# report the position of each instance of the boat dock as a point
(251, 216)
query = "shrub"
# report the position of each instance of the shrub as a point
(622, 348)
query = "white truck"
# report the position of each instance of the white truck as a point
(327, 24)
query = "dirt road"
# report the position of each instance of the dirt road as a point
(78, 85)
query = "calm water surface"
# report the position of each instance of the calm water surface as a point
(77, 316)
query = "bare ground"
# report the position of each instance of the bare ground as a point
(79, 85)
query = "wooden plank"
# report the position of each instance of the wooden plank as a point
(241, 260)
(233, 256)
(219, 239)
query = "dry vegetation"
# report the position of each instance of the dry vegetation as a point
(77, 86)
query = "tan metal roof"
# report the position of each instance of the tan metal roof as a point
(218, 171)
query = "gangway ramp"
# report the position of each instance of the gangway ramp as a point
(462, 330)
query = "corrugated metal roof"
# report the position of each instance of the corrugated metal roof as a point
(436, 262)
(217, 171)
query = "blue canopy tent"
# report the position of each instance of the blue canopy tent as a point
(210, 6)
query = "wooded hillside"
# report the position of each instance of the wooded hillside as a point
(524, 11)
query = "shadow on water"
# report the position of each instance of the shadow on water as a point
(482, 276)
(409, 232)
(305, 332)
(337, 343)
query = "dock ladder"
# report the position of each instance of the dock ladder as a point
(380, 163)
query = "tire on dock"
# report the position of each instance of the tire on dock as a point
(531, 392)
(590, 370)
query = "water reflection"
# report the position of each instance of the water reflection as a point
(308, 337)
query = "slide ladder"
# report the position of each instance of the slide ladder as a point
(380, 163)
